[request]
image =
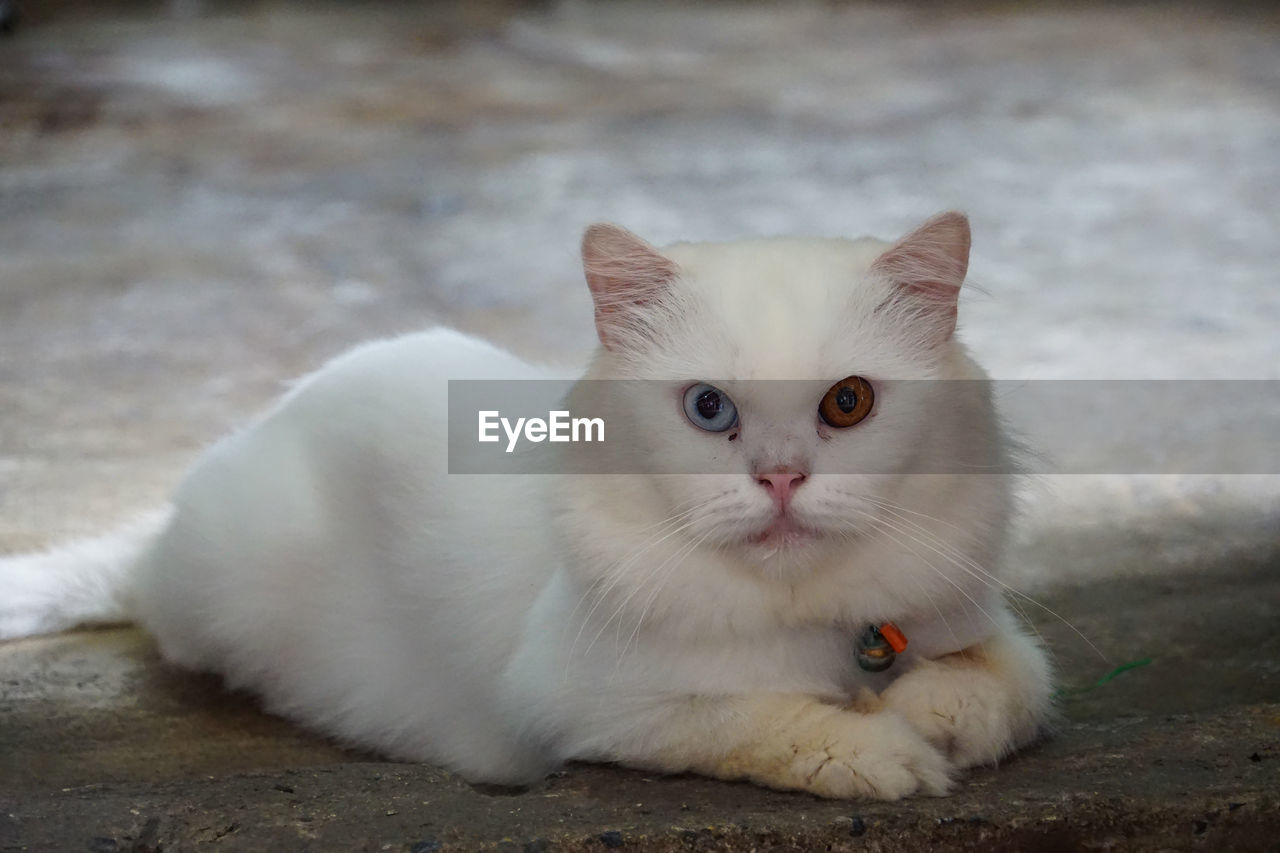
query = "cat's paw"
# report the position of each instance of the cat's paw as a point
(966, 713)
(878, 756)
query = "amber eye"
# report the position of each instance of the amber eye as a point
(847, 402)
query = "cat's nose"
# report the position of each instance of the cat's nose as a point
(781, 485)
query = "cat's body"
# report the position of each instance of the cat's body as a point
(499, 625)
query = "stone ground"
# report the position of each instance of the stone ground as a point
(199, 201)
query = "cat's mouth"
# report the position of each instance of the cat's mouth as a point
(784, 531)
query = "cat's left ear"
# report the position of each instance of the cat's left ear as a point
(625, 274)
(927, 268)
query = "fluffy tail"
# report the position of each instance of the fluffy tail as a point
(82, 582)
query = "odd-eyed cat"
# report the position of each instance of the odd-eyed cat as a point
(325, 559)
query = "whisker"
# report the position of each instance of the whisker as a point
(952, 552)
(601, 586)
(673, 565)
(848, 534)
(886, 524)
(617, 574)
(648, 576)
(679, 522)
(987, 575)
(656, 527)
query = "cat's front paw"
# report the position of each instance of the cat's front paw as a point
(974, 708)
(878, 756)
(968, 726)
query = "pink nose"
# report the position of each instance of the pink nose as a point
(781, 485)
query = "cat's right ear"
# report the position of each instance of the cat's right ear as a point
(624, 273)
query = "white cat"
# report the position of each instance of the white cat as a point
(325, 559)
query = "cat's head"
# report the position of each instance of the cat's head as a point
(781, 403)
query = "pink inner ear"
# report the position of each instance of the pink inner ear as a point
(928, 266)
(624, 273)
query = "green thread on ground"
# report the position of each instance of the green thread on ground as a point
(1121, 669)
(1124, 667)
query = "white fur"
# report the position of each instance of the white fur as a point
(499, 625)
(81, 582)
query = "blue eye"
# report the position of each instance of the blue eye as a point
(709, 408)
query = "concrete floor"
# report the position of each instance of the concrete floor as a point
(196, 205)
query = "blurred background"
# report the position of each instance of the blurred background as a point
(200, 200)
